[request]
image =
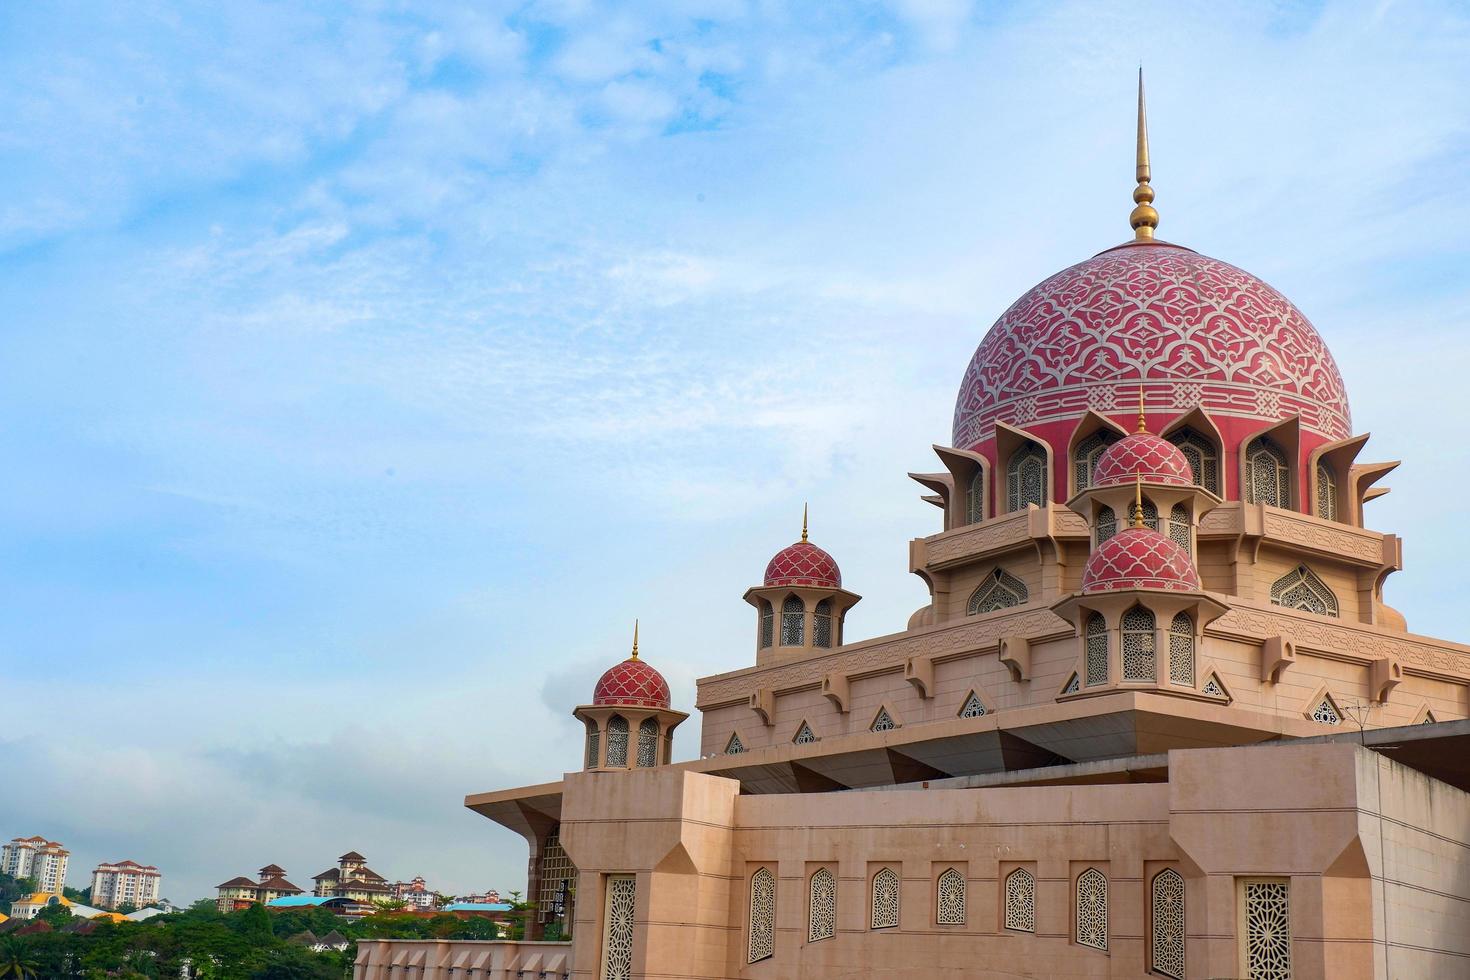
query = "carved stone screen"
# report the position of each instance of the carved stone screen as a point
(1167, 924)
(822, 913)
(762, 915)
(885, 899)
(1021, 901)
(1267, 930)
(1092, 909)
(951, 894)
(617, 936)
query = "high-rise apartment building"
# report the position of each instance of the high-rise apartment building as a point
(125, 883)
(38, 858)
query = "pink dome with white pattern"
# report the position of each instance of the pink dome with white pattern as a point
(1139, 558)
(1142, 456)
(804, 563)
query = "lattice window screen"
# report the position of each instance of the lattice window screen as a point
(1085, 456)
(768, 624)
(1326, 712)
(1073, 685)
(793, 622)
(1138, 645)
(556, 867)
(805, 735)
(1302, 589)
(762, 928)
(593, 738)
(734, 746)
(1266, 473)
(1097, 650)
(1179, 527)
(950, 910)
(1092, 909)
(883, 722)
(822, 913)
(1167, 924)
(822, 624)
(1326, 492)
(975, 499)
(1026, 477)
(885, 899)
(1021, 901)
(1202, 456)
(1213, 687)
(1267, 928)
(648, 743)
(999, 590)
(617, 935)
(617, 742)
(1181, 650)
(973, 708)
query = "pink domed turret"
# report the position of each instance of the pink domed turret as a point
(804, 564)
(1142, 456)
(632, 682)
(630, 724)
(1139, 558)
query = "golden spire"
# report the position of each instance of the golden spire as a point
(1142, 422)
(803, 523)
(1144, 218)
(635, 641)
(1137, 501)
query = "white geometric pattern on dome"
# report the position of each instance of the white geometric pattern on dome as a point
(734, 746)
(973, 708)
(883, 722)
(1267, 929)
(1167, 927)
(1138, 644)
(822, 913)
(1092, 909)
(804, 735)
(1021, 901)
(951, 892)
(1326, 711)
(617, 947)
(999, 590)
(1302, 589)
(762, 928)
(885, 899)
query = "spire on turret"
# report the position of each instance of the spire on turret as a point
(1138, 501)
(1144, 218)
(1142, 422)
(634, 655)
(803, 522)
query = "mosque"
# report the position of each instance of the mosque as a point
(1155, 720)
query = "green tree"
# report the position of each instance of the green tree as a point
(16, 959)
(54, 915)
(255, 922)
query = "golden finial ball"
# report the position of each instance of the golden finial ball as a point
(1143, 194)
(1144, 216)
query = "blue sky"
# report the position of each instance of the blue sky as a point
(364, 371)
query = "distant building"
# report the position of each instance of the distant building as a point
(239, 893)
(352, 878)
(38, 858)
(125, 883)
(490, 897)
(31, 905)
(416, 893)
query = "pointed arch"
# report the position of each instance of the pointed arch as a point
(617, 742)
(1267, 473)
(1179, 528)
(793, 621)
(648, 743)
(1138, 629)
(822, 624)
(1106, 524)
(1020, 901)
(594, 736)
(1202, 452)
(1326, 491)
(1085, 455)
(1166, 924)
(1302, 589)
(1091, 907)
(885, 899)
(768, 624)
(975, 497)
(761, 931)
(1181, 650)
(950, 899)
(999, 589)
(1095, 650)
(821, 906)
(1323, 708)
(1213, 684)
(1023, 462)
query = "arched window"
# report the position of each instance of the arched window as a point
(593, 737)
(1092, 909)
(1181, 650)
(1326, 492)
(975, 498)
(885, 899)
(1026, 478)
(822, 914)
(998, 590)
(1179, 527)
(882, 722)
(1138, 644)
(793, 622)
(1266, 474)
(648, 743)
(950, 908)
(768, 624)
(1302, 589)
(617, 742)
(762, 915)
(1084, 457)
(822, 624)
(734, 746)
(1150, 515)
(1107, 524)
(1202, 455)
(1096, 643)
(1166, 924)
(1021, 901)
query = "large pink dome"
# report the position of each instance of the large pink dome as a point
(1198, 332)
(632, 682)
(804, 563)
(1139, 558)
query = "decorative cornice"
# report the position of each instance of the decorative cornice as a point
(1365, 644)
(1324, 536)
(1005, 532)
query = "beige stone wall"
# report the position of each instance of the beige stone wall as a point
(460, 960)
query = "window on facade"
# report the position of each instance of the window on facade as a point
(1213, 687)
(1092, 909)
(950, 908)
(1138, 644)
(556, 868)
(822, 910)
(885, 899)
(822, 624)
(804, 735)
(1326, 492)
(1326, 711)
(648, 743)
(1166, 924)
(793, 622)
(617, 742)
(1095, 644)
(975, 498)
(1429, 718)
(973, 706)
(999, 590)
(617, 933)
(1073, 685)
(1266, 474)
(1265, 924)
(1107, 524)
(882, 722)
(1084, 457)
(1026, 477)
(768, 624)
(1181, 650)
(1150, 515)
(1202, 456)
(592, 740)
(734, 746)
(762, 928)
(1302, 589)
(1020, 901)
(1179, 527)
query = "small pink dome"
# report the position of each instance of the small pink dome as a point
(1139, 558)
(1143, 455)
(632, 682)
(804, 563)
